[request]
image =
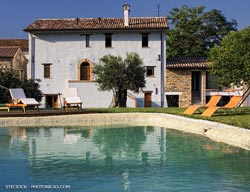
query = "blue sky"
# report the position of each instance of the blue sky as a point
(15, 15)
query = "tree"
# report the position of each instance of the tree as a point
(118, 75)
(194, 31)
(9, 80)
(230, 61)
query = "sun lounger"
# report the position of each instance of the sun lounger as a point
(70, 98)
(233, 103)
(4, 106)
(19, 99)
(212, 102)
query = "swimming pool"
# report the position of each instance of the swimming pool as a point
(119, 159)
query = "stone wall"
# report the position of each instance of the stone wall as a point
(215, 131)
(180, 80)
(18, 64)
(5, 64)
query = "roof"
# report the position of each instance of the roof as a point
(8, 51)
(92, 24)
(187, 63)
(22, 43)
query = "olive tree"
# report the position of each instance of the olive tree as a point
(120, 75)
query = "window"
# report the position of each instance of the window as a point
(87, 38)
(46, 69)
(211, 82)
(144, 39)
(85, 71)
(21, 75)
(108, 40)
(150, 71)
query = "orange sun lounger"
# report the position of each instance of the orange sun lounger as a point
(212, 102)
(234, 102)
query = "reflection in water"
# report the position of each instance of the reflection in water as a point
(87, 157)
(108, 161)
(144, 156)
(18, 134)
(126, 181)
(121, 159)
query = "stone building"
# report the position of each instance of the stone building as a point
(188, 82)
(13, 59)
(23, 44)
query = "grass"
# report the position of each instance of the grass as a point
(239, 117)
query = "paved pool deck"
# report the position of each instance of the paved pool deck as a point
(216, 131)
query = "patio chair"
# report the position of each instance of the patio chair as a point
(71, 99)
(19, 99)
(233, 103)
(212, 102)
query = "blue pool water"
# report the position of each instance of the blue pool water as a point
(118, 159)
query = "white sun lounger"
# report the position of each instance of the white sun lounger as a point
(19, 99)
(70, 98)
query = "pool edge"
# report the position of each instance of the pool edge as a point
(216, 131)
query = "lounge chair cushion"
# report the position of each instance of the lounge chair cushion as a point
(73, 100)
(28, 101)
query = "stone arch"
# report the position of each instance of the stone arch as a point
(84, 70)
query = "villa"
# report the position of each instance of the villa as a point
(63, 53)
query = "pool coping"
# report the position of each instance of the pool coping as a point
(216, 131)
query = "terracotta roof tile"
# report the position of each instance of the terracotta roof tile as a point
(22, 43)
(97, 24)
(8, 51)
(187, 62)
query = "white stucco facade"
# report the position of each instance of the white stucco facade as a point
(64, 51)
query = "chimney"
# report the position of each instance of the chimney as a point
(126, 10)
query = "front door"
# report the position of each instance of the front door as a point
(147, 99)
(51, 101)
(196, 87)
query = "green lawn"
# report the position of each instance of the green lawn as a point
(239, 117)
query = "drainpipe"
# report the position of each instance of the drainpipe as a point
(32, 56)
(162, 72)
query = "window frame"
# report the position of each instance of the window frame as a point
(87, 40)
(144, 40)
(108, 40)
(47, 70)
(152, 68)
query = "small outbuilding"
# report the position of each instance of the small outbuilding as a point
(13, 59)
